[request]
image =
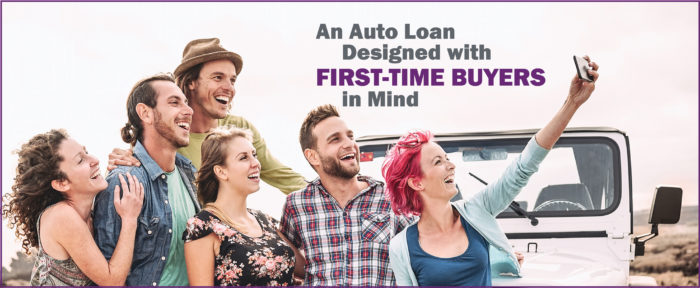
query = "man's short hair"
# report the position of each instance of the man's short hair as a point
(142, 92)
(320, 113)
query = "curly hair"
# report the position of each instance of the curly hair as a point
(32, 191)
(402, 162)
(214, 152)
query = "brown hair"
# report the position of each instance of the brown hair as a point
(188, 76)
(142, 92)
(32, 192)
(214, 152)
(320, 113)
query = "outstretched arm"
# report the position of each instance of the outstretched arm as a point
(579, 92)
(496, 196)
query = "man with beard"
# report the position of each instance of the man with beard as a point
(159, 124)
(207, 75)
(342, 221)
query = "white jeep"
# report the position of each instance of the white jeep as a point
(576, 228)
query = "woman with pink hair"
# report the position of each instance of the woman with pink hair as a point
(460, 243)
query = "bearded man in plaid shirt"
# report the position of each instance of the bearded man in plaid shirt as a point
(341, 221)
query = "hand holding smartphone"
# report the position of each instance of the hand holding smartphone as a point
(582, 68)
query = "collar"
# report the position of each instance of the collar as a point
(154, 171)
(372, 185)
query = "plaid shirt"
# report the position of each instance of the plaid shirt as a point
(343, 246)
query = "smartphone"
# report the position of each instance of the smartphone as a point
(582, 68)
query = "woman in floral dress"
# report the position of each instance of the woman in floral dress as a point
(227, 244)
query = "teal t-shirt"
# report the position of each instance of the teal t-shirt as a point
(175, 271)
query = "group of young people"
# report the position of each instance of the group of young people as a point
(172, 209)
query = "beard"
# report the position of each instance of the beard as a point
(214, 113)
(205, 104)
(333, 167)
(168, 132)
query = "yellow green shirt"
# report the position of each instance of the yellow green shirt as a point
(273, 172)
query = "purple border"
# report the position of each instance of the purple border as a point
(351, 1)
(300, 1)
(1, 80)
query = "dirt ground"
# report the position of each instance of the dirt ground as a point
(672, 257)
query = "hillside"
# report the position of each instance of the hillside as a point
(672, 257)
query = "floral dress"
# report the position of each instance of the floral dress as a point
(242, 260)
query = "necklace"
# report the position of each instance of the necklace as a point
(219, 213)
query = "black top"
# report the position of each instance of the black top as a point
(242, 260)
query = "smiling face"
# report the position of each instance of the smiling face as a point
(172, 115)
(438, 172)
(336, 150)
(82, 170)
(241, 167)
(213, 91)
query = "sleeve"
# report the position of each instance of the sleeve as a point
(273, 222)
(197, 227)
(273, 172)
(288, 226)
(497, 195)
(402, 221)
(106, 222)
(397, 262)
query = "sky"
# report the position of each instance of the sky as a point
(71, 65)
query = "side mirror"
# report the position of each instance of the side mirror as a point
(666, 209)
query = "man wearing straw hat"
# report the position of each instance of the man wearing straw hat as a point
(207, 75)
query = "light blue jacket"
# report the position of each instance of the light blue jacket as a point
(480, 212)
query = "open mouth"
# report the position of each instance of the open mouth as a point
(183, 125)
(350, 156)
(222, 99)
(450, 179)
(255, 176)
(95, 174)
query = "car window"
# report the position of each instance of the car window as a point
(578, 177)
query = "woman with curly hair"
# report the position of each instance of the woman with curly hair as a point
(50, 210)
(460, 243)
(227, 244)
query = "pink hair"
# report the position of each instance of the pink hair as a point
(402, 163)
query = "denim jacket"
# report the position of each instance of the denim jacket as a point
(153, 233)
(480, 212)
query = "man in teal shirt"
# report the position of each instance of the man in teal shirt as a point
(159, 122)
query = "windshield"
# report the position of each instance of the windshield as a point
(579, 177)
